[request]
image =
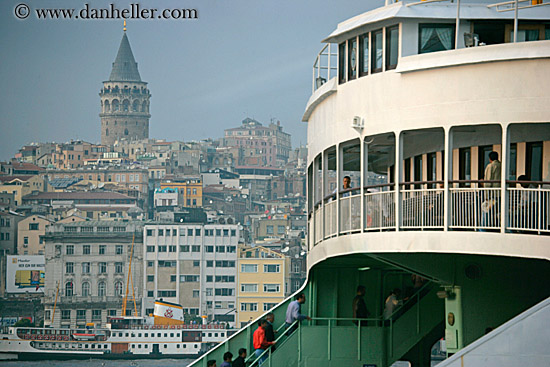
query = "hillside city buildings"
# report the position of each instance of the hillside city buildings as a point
(216, 225)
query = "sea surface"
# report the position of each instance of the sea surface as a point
(101, 363)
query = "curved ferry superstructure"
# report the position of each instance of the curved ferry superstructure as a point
(441, 124)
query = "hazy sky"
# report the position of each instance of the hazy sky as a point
(240, 58)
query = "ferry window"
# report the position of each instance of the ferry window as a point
(526, 32)
(392, 47)
(435, 37)
(431, 161)
(133, 346)
(342, 63)
(146, 346)
(146, 335)
(139, 346)
(166, 335)
(352, 58)
(93, 346)
(139, 335)
(158, 335)
(126, 334)
(418, 170)
(165, 346)
(533, 161)
(464, 166)
(376, 63)
(178, 346)
(120, 334)
(407, 173)
(513, 163)
(171, 335)
(363, 54)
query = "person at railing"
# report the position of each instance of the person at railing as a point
(211, 363)
(293, 313)
(260, 342)
(492, 171)
(227, 357)
(240, 360)
(269, 332)
(392, 302)
(360, 310)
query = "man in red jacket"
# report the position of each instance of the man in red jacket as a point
(260, 341)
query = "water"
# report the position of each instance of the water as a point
(101, 363)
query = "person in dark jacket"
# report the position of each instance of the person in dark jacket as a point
(269, 332)
(240, 360)
(359, 306)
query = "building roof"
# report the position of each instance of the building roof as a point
(13, 178)
(78, 195)
(23, 166)
(63, 183)
(125, 66)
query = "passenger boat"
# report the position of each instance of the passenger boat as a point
(128, 337)
(408, 102)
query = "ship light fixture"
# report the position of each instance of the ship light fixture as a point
(364, 269)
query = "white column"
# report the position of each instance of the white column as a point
(398, 177)
(505, 172)
(447, 176)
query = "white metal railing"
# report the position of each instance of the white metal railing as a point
(318, 224)
(422, 208)
(330, 219)
(323, 67)
(350, 213)
(475, 208)
(528, 209)
(379, 210)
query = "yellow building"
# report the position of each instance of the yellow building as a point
(21, 185)
(30, 235)
(189, 189)
(261, 282)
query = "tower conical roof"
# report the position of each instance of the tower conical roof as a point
(125, 66)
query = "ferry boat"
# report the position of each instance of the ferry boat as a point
(126, 337)
(411, 102)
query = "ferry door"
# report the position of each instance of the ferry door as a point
(156, 349)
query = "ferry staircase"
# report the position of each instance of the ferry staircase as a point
(334, 341)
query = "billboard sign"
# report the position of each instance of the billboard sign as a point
(25, 274)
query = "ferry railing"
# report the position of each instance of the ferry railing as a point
(422, 208)
(475, 208)
(379, 208)
(330, 217)
(350, 211)
(528, 207)
(323, 67)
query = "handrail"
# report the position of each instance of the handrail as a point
(421, 182)
(415, 294)
(268, 350)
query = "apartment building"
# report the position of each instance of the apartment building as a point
(30, 235)
(194, 265)
(89, 262)
(262, 275)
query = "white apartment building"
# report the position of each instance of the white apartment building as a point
(194, 265)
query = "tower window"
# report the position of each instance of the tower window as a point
(125, 131)
(106, 132)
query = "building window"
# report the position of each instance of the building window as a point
(81, 314)
(231, 249)
(272, 268)
(435, 37)
(33, 226)
(150, 248)
(225, 278)
(150, 278)
(25, 240)
(102, 249)
(224, 291)
(69, 289)
(65, 314)
(281, 229)
(189, 231)
(149, 232)
(269, 229)
(85, 289)
(69, 268)
(118, 288)
(86, 250)
(101, 289)
(196, 263)
(184, 248)
(150, 293)
(225, 264)
(249, 287)
(197, 232)
(196, 293)
(119, 268)
(376, 57)
(102, 268)
(189, 278)
(249, 268)
(162, 248)
(245, 306)
(220, 249)
(195, 248)
(85, 268)
(272, 288)
(166, 294)
(69, 250)
(172, 248)
(233, 233)
(269, 306)
(118, 249)
(209, 279)
(392, 47)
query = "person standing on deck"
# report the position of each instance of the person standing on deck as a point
(359, 306)
(293, 312)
